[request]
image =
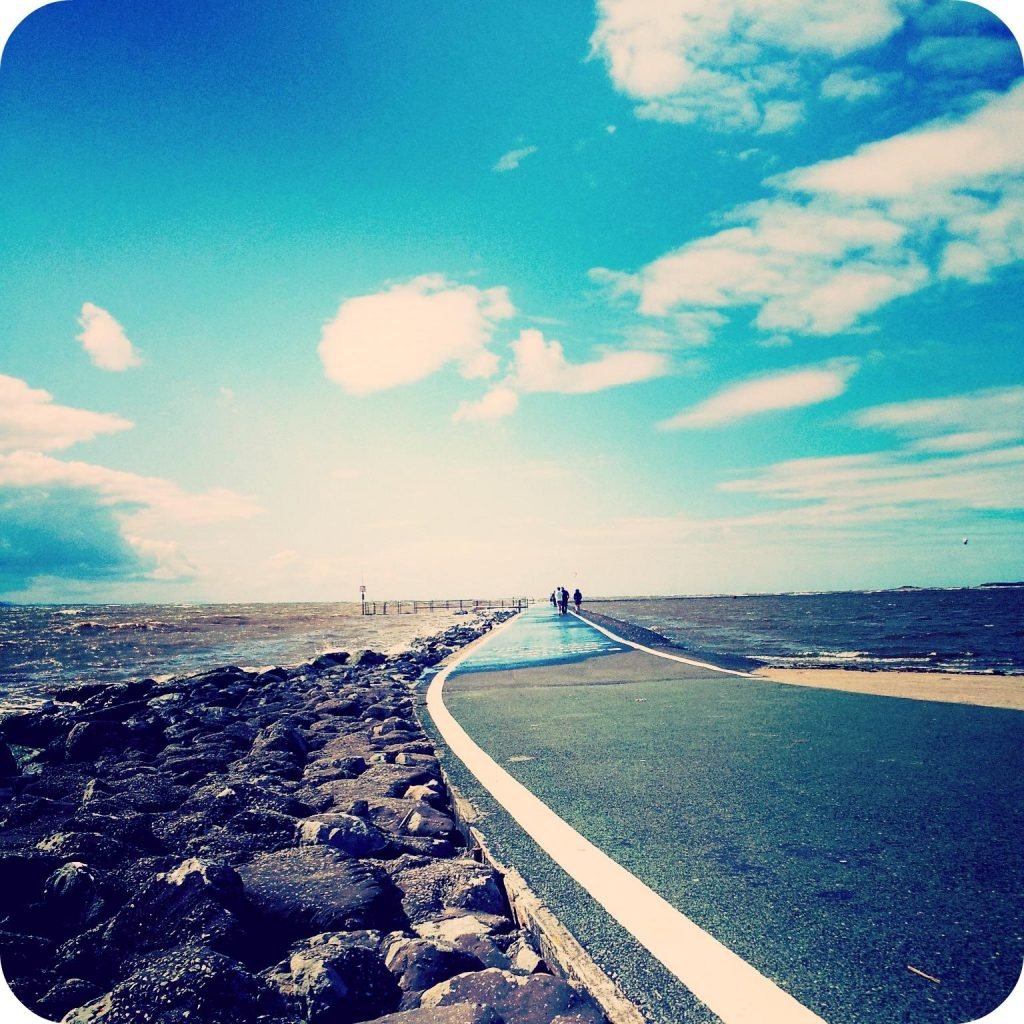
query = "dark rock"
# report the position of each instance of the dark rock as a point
(426, 821)
(8, 764)
(345, 708)
(197, 900)
(453, 925)
(22, 876)
(148, 791)
(369, 659)
(460, 1013)
(132, 827)
(35, 728)
(336, 978)
(79, 693)
(345, 832)
(281, 738)
(330, 768)
(313, 889)
(86, 740)
(67, 995)
(332, 659)
(91, 847)
(189, 768)
(436, 886)
(69, 893)
(21, 952)
(534, 999)
(192, 983)
(271, 675)
(419, 964)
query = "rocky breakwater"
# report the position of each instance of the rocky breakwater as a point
(273, 847)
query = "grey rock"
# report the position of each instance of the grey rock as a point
(191, 984)
(8, 764)
(535, 999)
(419, 964)
(195, 901)
(314, 889)
(345, 832)
(88, 739)
(461, 1013)
(336, 978)
(444, 885)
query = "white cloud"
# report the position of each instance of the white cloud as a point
(410, 331)
(541, 365)
(846, 236)
(512, 159)
(114, 487)
(993, 410)
(498, 403)
(883, 483)
(856, 84)
(964, 453)
(30, 420)
(780, 116)
(965, 441)
(769, 393)
(940, 157)
(729, 64)
(105, 341)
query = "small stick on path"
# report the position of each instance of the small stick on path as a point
(923, 975)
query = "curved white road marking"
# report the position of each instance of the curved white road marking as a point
(724, 982)
(665, 654)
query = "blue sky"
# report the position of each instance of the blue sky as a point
(462, 299)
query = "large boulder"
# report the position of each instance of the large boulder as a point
(419, 964)
(191, 983)
(8, 764)
(196, 901)
(336, 978)
(460, 1013)
(87, 740)
(312, 889)
(436, 886)
(345, 832)
(534, 999)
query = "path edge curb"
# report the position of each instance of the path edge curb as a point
(559, 948)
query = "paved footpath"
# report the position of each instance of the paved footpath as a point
(731, 849)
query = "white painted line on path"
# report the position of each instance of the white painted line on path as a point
(665, 654)
(723, 981)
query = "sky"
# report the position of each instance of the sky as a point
(463, 299)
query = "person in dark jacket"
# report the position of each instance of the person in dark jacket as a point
(577, 599)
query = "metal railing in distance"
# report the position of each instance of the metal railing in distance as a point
(464, 604)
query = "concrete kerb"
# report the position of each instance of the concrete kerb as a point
(558, 946)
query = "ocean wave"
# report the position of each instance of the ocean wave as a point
(142, 626)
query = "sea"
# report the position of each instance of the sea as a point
(979, 629)
(43, 647)
(966, 630)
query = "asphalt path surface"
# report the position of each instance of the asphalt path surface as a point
(862, 852)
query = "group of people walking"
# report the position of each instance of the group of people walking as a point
(560, 599)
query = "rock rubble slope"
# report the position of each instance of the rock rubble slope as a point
(275, 847)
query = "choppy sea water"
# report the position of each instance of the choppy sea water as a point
(46, 646)
(968, 630)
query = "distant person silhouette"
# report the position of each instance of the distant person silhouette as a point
(554, 599)
(577, 599)
(563, 601)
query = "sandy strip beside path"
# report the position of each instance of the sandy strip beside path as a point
(953, 688)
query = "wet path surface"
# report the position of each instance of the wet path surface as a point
(833, 840)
